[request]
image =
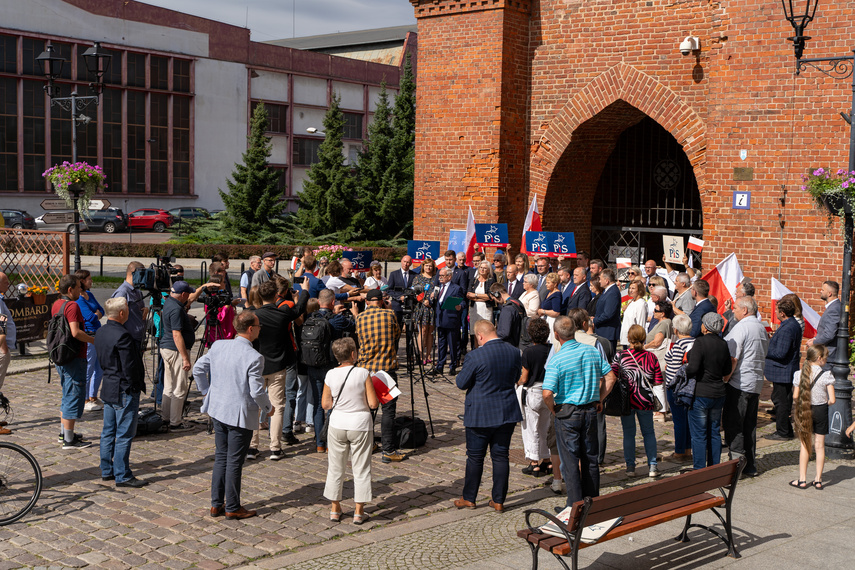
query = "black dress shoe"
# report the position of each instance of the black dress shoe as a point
(452, 372)
(290, 439)
(133, 482)
(110, 478)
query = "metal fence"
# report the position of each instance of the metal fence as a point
(34, 257)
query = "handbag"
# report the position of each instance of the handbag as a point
(643, 393)
(329, 413)
(617, 402)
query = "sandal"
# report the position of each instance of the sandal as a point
(800, 484)
(546, 467)
(532, 469)
(335, 516)
(359, 519)
(818, 485)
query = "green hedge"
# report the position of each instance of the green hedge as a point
(206, 251)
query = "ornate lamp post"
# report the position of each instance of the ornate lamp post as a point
(97, 62)
(840, 414)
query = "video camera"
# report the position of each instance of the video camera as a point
(157, 278)
(410, 295)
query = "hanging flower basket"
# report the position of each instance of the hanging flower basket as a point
(834, 193)
(79, 180)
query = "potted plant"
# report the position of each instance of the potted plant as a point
(79, 180)
(834, 193)
(39, 294)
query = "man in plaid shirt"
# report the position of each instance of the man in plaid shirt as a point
(378, 333)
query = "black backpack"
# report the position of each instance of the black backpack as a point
(316, 340)
(149, 422)
(62, 347)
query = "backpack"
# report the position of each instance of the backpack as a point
(62, 347)
(149, 422)
(316, 341)
(405, 437)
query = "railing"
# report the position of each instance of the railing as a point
(33, 257)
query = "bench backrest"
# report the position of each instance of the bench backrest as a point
(643, 497)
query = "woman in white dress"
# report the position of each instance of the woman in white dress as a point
(480, 305)
(635, 312)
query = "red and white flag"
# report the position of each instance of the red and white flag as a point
(695, 244)
(470, 236)
(532, 222)
(623, 262)
(386, 388)
(724, 279)
(810, 316)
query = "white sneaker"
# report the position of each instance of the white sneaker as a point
(92, 407)
(654, 471)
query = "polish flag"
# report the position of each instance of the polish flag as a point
(532, 222)
(386, 388)
(470, 236)
(724, 279)
(695, 244)
(810, 316)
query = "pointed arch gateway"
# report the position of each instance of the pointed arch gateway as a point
(622, 163)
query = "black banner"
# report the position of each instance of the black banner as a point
(30, 317)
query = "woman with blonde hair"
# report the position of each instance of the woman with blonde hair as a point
(813, 392)
(550, 307)
(635, 312)
(480, 303)
(521, 261)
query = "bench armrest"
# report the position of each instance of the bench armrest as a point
(536, 530)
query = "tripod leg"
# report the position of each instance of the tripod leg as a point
(427, 407)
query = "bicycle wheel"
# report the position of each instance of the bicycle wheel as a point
(20, 482)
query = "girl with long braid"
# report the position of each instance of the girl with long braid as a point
(813, 392)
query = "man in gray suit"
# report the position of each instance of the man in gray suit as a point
(541, 266)
(230, 377)
(826, 331)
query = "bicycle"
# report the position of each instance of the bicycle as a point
(20, 482)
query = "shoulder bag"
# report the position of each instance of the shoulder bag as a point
(329, 413)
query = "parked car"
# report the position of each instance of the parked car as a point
(110, 221)
(150, 219)
(53, 226)
(18, 219)
(189, 213)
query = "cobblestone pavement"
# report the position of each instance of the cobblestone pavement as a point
(81, 520)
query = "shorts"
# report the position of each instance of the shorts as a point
(820, 419)
(72, 378)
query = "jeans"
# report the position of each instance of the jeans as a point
(645, 420)
(290, 399)
(601, 437)
(120, 427)
(72, 378)
(316, 386)
(304, 407)
(499, 441)
(740, 425)
(680, 415)
(704, 421)
(782, 398)
(388, 438)
(232, 445)
(93, 371)
(579, 448)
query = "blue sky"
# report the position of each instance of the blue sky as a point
(274, 19)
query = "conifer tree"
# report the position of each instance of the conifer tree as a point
(329, 194)
(404, 152)
(253, 196)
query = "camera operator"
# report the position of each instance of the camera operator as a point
(225, 291)
(175, 344)
(137, 310)
(511, 313)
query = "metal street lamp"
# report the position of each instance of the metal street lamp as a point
(837, 444)
(97, 62)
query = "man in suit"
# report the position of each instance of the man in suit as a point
(581, 295)
(826, 331)
(607, 317)
(514, 286)
(447, 321)
(398, 280)
(573, 391)
(230, 377)
(461, 272)
(123, 381)
(511, 313)
(782, 362)
(489, 375)
(565, 285)
(541, 266)
(700, 292)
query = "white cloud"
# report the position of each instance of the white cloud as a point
(274, 19)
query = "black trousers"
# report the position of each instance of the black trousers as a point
(232, 445)
(782, 399)
(388, 436)
(739, 418)
(447, 341)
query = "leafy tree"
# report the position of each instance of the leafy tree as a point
(327, 199)
(253, 196)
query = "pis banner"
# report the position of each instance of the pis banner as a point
(420, 250)
(551, 244)
(491, 235)
(360, 259)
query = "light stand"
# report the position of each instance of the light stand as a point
(97, 62)
(837, 444)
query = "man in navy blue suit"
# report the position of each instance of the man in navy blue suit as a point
(489, 375)
(514, 286)
(826, 330)
(398, 280)
(607, 317)
(700, 292)
(447, 321)
(581, 295)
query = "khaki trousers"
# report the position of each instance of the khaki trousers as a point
(275, 384)
(356, 446)
(5, 358)
(176, 384)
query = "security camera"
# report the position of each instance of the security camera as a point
(690, 44)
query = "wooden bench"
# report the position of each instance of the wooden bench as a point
(641, 507)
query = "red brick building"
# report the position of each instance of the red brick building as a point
(589, 106)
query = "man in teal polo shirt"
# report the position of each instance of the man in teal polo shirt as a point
(577, 379)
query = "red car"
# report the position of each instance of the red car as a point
(150, 219)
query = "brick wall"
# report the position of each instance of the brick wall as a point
(520, 99)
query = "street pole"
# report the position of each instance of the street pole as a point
(74, 115)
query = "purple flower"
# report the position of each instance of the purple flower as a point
(804, 188)
(840, 172)
(819, 172)
(845, 184)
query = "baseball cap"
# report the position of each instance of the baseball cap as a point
(181, 287)
(373, 294)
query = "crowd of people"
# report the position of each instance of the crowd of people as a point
(558, 345)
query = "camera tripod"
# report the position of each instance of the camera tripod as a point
(414, 363)
(155, 308)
